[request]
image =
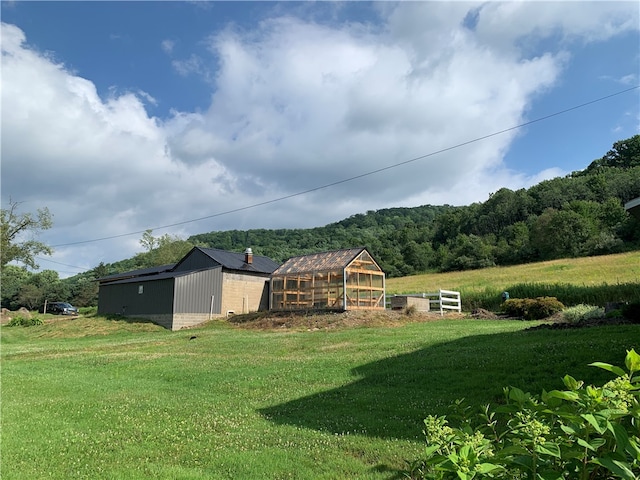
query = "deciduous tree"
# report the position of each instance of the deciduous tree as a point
(18, 232)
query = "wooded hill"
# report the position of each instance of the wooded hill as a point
(581, 214)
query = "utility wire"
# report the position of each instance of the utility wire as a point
(362, 175)
(63, 264)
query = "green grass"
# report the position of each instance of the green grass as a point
(588, 271)
(96, 398)
(592, 280)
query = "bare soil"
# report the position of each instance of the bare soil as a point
(310, 321)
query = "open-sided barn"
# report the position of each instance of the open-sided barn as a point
(206, 283)
(348, 279)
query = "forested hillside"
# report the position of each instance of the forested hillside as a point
(581, 214)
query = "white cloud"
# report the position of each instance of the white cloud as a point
(167, 46)
(295, 105)
(191, 65)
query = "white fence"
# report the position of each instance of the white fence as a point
(441, 300)
(445, 300)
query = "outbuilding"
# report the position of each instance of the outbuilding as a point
(205, 284)
(633, 207)
(348, 279)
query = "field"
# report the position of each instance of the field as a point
(95, 398)
(592, 280)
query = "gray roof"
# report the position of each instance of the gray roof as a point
(236, 261)
(148, 278)
(137, 273)
(227, 260)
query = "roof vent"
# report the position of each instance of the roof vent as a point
(248, 256)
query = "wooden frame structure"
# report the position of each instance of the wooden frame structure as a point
(347, 279)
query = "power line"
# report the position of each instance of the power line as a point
(63, 264)
(356, 177)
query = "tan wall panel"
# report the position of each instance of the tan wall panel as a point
(243, 294)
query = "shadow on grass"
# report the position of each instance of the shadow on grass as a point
(121, 318)
(393, 395)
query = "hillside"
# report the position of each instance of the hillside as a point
(580, 215)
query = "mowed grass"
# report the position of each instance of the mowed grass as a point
(101, 399)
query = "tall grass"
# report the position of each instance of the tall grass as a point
(569, 295)
(591, 280)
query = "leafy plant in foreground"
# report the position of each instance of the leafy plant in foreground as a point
(583, 432)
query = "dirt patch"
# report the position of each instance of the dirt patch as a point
(310, 321)
(484, 314)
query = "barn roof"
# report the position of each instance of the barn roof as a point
(227, 260)
(319, 262)
(148, 278)
(142, 272)
(237, 261)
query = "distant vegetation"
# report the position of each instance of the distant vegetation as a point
(589, 280)
(579, 215)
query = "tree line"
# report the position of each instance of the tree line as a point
(581, 214)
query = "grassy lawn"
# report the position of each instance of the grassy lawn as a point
(93, 398)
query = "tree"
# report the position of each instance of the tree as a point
(561, 233)
(15, 243)
(12, 278)
(162, 250)
(623, 154)
(148, 241)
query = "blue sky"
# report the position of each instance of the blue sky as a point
(151, 114)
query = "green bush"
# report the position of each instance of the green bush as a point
(584, 432)
(582, 312)
(532, 308)
(617, 313)
(20, 321)
(88, 311)
(568, 294)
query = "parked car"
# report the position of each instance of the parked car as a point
(61, 308)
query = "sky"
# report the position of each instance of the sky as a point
(192, 117)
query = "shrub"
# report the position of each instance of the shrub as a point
(582, 312)
(25, 322)
(617, 313)
(578, 433)
(532, 308)
(88, 311)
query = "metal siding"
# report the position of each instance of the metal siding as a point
(195, 260)
(124, 299)
(194, 291)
